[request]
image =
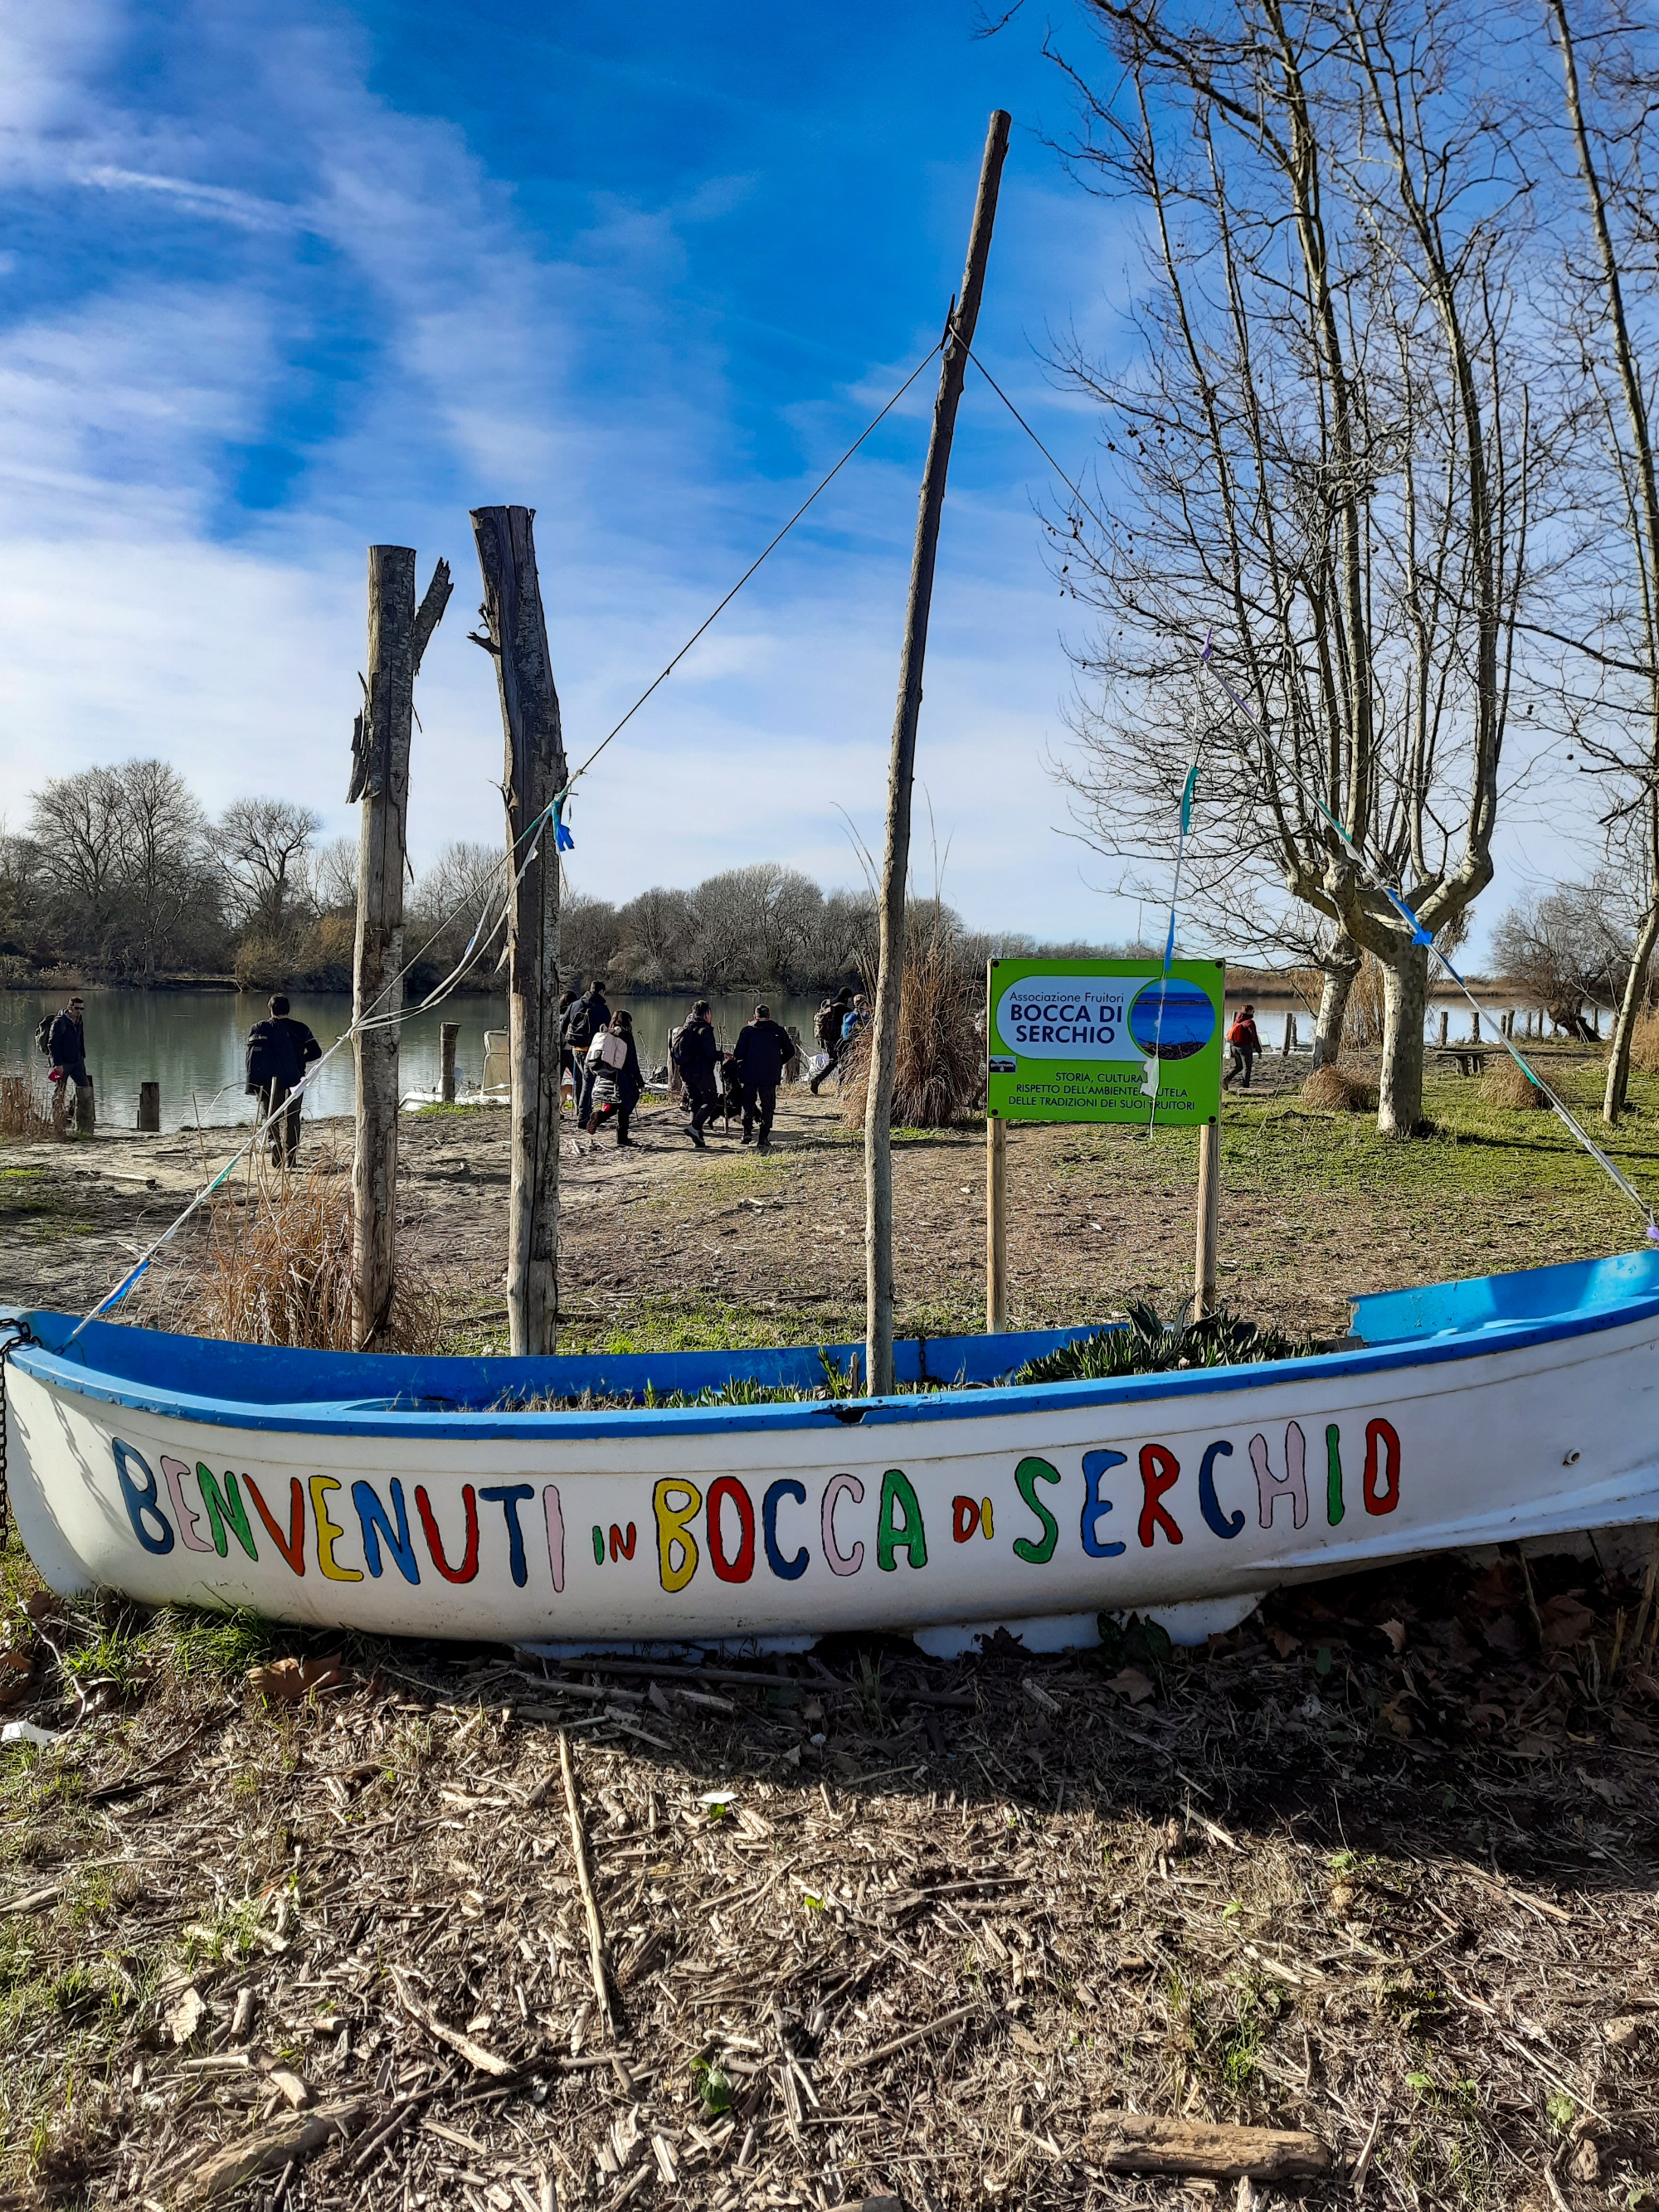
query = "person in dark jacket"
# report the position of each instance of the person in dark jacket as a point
(279, 1051)
(827, 1029)
(66, 1048)
(614, 1080)
(589, 1017)
(763, 1050)
(697, 1055)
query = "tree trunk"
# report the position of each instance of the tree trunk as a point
(535, 777)
(1615, 1098)
(1340, 969)
(895, 859)
(381, 777)
(1405, 1004)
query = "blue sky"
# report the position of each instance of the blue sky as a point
(276, 284)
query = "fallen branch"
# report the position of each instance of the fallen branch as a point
(474, 2053)
(288, 2142)
(1130, 2143)
(912, 2035)
(579, 1851)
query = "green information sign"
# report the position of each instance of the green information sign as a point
(1091, 1039)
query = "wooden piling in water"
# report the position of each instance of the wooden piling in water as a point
(150, 1110)
(448, 1038)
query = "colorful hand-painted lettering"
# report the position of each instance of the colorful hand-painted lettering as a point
(734, 1531)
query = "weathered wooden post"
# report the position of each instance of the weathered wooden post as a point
(996, 1225)
(1209, 1218)
(150, 1110)
(1445, 1027)
(896, 857)
(448, 1036)
(397, 636)
(516, 633)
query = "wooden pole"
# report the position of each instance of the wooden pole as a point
(1209, 1217)
(517, 634)
(896, 857)
(996, 1225)
(448, 1038)
(150, 1109)
(397, 636)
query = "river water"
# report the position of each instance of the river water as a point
(191, 1042)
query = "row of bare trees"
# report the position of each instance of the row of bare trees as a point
(1384, 444)
(120, 869)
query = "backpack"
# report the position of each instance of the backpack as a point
(613, 1049)
(43, 1033)
(827, 1028)
(1239, 1033)
(580, 1022)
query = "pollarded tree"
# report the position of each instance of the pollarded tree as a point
(1331, 456)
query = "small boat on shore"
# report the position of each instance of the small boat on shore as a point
(471, 1497)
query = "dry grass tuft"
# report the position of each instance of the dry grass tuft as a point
(24, 1115)
(277, 1269)
(1645, 1043)
(941, 1077)
(1338, 1091)
(1504, 1085)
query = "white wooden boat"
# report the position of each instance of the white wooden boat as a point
(394, 1494)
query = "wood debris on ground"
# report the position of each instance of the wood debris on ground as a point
(1378, 1870)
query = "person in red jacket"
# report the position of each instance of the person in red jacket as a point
(1245, 1043)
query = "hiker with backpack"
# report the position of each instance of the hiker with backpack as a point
(696, 1057)
(614, 1080)
(827, 1029)
(1245, 1043)
(279, 1051)
(62, 1038)
(587, 1019)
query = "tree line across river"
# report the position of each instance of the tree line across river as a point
(120, 873)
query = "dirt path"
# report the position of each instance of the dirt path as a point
(665, 1245)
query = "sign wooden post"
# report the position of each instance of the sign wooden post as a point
(1209, 1217)
(902, 769)
(516, 633)
(397, 636)
(996, 1225)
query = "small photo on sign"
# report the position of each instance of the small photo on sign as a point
(1172, 1019)
(1004, 1063)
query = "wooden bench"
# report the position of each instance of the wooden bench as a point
(1471, 1058)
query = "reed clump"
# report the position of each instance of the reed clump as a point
(24, 1115)
(940, 1080)
(1645, 1043)
(1504, 1085)
(1336, 1090)
(275, 1267)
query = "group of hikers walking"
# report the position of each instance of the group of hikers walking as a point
(597, 1050)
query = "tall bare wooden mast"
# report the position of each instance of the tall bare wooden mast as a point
(896, 857)
(517, 634)
(397, 636)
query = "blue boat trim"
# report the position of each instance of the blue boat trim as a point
(378, 1394)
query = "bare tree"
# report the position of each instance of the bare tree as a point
(1608, 268)
(162, 847)
(1570, 948)
(261, 845)
(1331, 452)
(75, 825)
(332, 876)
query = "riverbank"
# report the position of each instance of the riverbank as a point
(664, 1245)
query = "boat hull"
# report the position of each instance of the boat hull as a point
(968, 1506)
